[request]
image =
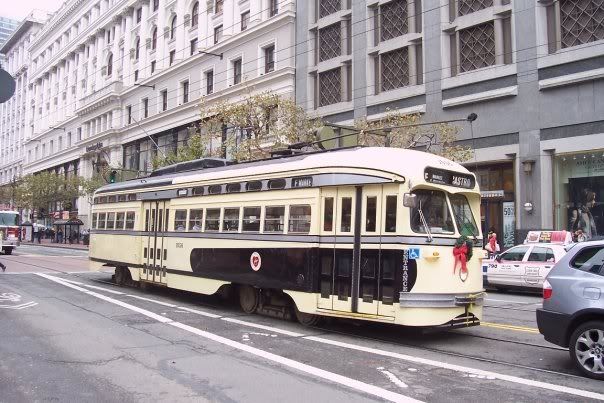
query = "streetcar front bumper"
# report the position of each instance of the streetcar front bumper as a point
(429, 300)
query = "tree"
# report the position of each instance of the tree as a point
(42, 190)
(406, 131)
(246, 129)
(89, 186)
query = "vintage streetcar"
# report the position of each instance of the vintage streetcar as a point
(379, 234)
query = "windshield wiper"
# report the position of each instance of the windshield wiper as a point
(424, 223)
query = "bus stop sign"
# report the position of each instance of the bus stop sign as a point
(7, 86)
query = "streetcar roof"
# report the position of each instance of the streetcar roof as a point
(409, 164)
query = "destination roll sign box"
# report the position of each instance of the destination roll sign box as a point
(449, 178)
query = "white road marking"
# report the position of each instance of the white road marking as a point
(314, 371)
(198, 312)
(20, 306)
(417, 360)
(460, 368)
(392, 378)
(10, 296)
(269, 328)
(151, 300)
(94, 287)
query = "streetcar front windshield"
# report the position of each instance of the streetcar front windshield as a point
(9, 219)
(463, 215)
(436, 214)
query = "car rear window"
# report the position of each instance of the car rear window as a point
(590, 260)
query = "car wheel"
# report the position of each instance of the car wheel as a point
(586, 349)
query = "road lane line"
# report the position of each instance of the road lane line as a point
(198, 312)
(320, 373)
(510, 327)
(94, 287)
(263, 327)
(152, 300)
(390, 354)
(460, 368)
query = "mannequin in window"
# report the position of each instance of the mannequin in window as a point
(581, 217)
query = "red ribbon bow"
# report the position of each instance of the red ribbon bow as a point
(461, 257)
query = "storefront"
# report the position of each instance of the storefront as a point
(579, 193)
(497, 208)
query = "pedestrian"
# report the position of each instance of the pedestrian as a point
(492, 246)
(60, 235)
(3, 267)
(40, 236)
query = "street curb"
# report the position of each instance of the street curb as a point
(54, 247)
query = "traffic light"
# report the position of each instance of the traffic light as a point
(112, 176)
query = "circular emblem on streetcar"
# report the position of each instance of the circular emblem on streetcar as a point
(255, 261)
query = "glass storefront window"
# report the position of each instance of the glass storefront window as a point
(579, 194)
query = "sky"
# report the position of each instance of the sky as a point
(19, 9)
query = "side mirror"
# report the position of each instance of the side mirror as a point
(498, 258)
(410, 200)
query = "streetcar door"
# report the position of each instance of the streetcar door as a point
(371, 228)
(329, 197)
(154, 253)
(344, 247)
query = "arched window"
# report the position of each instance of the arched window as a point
(195, 15)
(109, 64)
(137, 48)
(154, 39)
(173, 28)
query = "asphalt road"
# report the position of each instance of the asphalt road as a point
(71, 335)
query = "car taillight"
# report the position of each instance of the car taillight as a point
(547, 290)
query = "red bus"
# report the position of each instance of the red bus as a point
(9, 230)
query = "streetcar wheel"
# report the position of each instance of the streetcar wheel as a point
(122, 276)
(249, 298)
(586, 349)
(307, 319)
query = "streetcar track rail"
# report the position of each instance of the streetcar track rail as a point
(327, 331)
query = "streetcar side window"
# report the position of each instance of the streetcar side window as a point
(130, 219)
(370, 214)
(119, 220)
(274, 217)
(251, 219)
(328, 215)
(230, 222)
(391, 206)
(180, 220)
(110, 220)
(195, 219)
(346, 224)
(102, 219)
(167, 219)
(94, 220)
(212, 219)
(299, 219)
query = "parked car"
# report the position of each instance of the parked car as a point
(573, 307)
(522, 266)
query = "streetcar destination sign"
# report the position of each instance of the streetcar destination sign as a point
(449, 178)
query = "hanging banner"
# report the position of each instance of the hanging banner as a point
(509, 224)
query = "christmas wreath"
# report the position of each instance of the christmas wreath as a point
(462, 251)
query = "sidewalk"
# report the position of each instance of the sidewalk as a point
(47, 243)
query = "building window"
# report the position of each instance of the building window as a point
(129, 114)
(139, 15)
(330, 42)
(394, 69)
(273, 7)
(164, 100)
(173, 28)
(219, 6)
(79, 138)
(137, 48)
(185, 91)
(110, 65)
(394, 19)
(172, 56)
(477, 47)
(465, 7)
(579, 22)
(327, 7)
(217, 34)
(155, 5)
(153, 67)
(330, 87)
(269, 59)
(195, 15)
(154, 39)
(245, 20)
(193, 46)
(209, 82)
(146, 107)
(236, 71)
(135, 75)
